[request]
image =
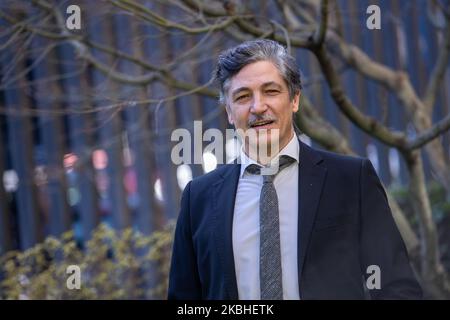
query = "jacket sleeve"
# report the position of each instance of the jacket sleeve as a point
(381, 244)
(184, 282)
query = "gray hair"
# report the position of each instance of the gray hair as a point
(231, 61)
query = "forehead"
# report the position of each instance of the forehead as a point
(255, 75)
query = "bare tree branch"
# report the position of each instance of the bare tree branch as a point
(303, 11)
(211, 8)
(290, 19)
(444, 10)
(339, 25)
(399, 84)
(148, 15)
(430, 134)
(247, 26)
(319, 36)
(396, 81)
(368, 124)
(439, 69)
(27, 26)
(320, 130)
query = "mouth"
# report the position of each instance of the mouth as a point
(262, 124)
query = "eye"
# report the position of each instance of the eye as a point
(241, 97)
(272, 92)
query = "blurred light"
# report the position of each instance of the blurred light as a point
(158, 190)
(23, 280)
(70, 159)
(402, 45)
(209, 162)
(372, 154)
(394, 163)
(73, 196)
(100, 159)
(128, 158)
(184, 175)
(130, 181)
(10, 180)
(232, 148)
(40, 175)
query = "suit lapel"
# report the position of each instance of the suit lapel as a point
(224, 195)
(311, 179)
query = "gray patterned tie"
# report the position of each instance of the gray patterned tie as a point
(269, 246)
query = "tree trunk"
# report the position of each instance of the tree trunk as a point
(53, 139)
(6, 227)
(22, 158)
(111, 132)
(433, 273)
(140, 141)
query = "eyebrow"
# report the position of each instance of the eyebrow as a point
(271, 83)
(264, 85)
(238, 90)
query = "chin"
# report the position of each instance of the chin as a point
(266, 142)
(269, 136)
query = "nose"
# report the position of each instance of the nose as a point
(259, 105)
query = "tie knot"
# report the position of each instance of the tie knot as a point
(283, 162)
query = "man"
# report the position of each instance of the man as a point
(320, 228)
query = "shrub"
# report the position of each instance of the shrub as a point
(113, 265)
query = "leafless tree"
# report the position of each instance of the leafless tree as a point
(311, 25)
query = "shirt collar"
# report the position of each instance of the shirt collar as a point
(292, 150)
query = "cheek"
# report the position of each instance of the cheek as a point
(285, 122)
(240, 116)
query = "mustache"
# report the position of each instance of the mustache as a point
(260, 118)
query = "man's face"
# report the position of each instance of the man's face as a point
(258, 98)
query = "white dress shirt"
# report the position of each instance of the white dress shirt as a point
(246, 226)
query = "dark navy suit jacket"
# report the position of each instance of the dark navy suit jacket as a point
(344, 226)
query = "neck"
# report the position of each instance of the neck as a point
(263, 159)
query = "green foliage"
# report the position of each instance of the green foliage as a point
(440, 205)
(114, 265)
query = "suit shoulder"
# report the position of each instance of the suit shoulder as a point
(343, 168)
(207, 179)
(341, 158)
(341, 162)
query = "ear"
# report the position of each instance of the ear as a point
(295, 102)
(230, 115)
